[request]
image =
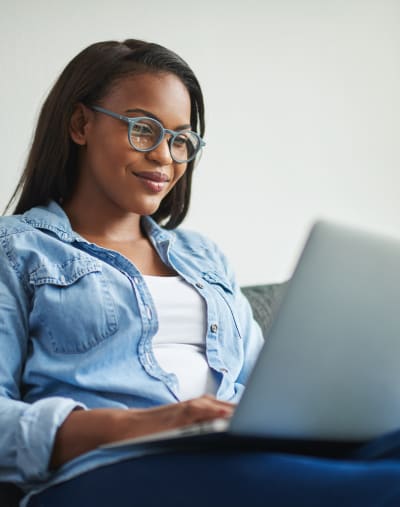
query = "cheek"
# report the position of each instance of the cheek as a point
(112, 155)
(106, 142)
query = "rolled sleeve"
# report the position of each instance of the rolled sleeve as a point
(37, 428)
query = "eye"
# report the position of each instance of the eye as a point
(143, 129)
(180, 141)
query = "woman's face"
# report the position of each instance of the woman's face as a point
(113, 175)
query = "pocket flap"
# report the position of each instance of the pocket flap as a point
(64, 274)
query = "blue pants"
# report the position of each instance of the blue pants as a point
(231, 478)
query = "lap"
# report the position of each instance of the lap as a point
(233, 478)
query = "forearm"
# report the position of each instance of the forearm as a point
(84, 430)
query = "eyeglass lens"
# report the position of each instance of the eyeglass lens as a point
(147, 133)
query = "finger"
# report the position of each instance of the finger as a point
(216, 400)
(202, 409)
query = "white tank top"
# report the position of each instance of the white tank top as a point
(179, 345)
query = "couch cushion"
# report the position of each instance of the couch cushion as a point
(265, 300)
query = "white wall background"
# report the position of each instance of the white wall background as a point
(303, 108)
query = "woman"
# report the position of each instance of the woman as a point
(113, 325)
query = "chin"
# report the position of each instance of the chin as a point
(145, 209)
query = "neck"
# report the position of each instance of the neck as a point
(107, 222)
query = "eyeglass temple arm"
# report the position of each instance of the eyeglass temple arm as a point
(110, 113)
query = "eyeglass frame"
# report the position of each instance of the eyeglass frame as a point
(174, 133)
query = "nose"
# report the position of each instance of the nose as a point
(161, 154)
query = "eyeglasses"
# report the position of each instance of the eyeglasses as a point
(145, 134)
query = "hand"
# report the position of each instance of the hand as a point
(165, 417)
(84, 430)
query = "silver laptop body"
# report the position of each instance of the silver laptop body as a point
(330, 367)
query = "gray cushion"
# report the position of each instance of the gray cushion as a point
(265, 301)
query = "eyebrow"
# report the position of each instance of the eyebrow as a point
(151, 115)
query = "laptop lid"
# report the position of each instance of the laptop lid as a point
(330, 367)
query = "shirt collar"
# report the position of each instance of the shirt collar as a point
(52, 218)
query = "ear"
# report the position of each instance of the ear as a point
(79, 123)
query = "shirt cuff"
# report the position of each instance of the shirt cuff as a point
(36, 433)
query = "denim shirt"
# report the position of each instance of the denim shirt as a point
(76, 328)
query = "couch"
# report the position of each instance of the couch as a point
(265, 300)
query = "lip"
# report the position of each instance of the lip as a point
(152, 176)
(154, 181)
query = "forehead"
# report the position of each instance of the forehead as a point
(162, 94)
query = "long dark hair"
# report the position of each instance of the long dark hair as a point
(51, 170)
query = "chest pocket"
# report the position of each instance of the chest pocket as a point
(73, 309)
(225, 290)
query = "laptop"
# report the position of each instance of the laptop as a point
(329, 372)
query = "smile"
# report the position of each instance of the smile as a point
(153, 181)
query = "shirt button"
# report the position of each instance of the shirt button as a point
(199, 285)
(214, 328)
(149, 313)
